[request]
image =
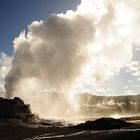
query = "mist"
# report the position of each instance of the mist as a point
(69, 51)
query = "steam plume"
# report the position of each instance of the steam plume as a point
(80, 47)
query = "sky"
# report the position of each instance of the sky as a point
(16, 15)
(114, 71)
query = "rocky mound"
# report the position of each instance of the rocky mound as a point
(103, 124)
(14, 109)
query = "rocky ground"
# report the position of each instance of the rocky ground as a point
(18, 123)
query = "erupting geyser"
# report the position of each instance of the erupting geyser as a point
(69, 51)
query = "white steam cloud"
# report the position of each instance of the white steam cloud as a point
(5, 62)
(75, 49)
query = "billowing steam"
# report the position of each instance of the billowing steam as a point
(73, 50)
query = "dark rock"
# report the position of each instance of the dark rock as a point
(17, 100)
(14, 108)
(103, 124)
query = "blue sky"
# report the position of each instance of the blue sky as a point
(16, 15)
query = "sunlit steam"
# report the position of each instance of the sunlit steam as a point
(71, 52)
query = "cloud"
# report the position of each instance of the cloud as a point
(135, 86)
(139, 79)
(126, 87)
(136, 73)
(134, 65)
(5, 60)
(130, 92)
(130, 81)
(5, 63)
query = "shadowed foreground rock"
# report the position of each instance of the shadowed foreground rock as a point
(17, 123)
(103, 124)
(14, 109)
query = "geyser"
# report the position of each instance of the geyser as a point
(69, 51)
